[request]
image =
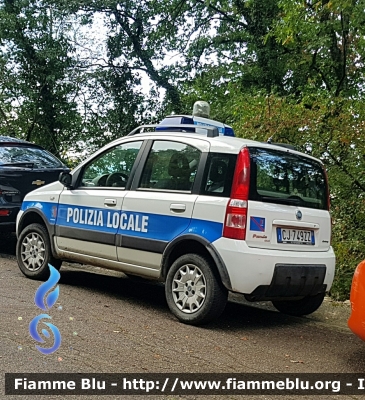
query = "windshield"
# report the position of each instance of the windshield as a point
(27, 157)
(286, 178)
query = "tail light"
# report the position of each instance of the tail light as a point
(236, 213)
(4, 213)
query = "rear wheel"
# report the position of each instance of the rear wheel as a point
(33, 252)
(194, 293)
(305, 306)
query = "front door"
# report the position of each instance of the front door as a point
(89, 215)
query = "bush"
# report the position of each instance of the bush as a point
(348, 255)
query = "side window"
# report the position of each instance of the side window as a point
(170, 166)
(111, 169)
(218, 175)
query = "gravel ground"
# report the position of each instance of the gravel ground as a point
(111, 323)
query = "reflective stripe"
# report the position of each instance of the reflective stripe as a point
(126, 223)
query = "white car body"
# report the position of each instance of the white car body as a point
(135, 229)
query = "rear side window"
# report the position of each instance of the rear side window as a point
(16, 155)
(170, 166)
(218, 174)
(286, 178)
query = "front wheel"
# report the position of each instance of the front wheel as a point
(305, 306)
(194, 292)
(33, 252)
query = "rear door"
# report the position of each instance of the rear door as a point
(288, 202)
(161, 205)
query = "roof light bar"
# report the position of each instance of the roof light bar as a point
(210, 131)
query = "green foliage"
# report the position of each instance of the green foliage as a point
(52, 94)
(324, 38)
(314, 99)
(349, 253)
(36, 58)
(330, 129)
(73, 77)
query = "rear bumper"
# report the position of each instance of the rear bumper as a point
(264, 273)
(7, 227)
(356, 321)
(292, 281)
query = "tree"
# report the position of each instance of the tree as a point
(36, 58)
(136, 40)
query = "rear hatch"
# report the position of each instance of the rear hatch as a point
(24, 168)
(288, 202)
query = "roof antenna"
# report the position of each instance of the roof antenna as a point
(269, 140)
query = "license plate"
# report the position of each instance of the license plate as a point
(295, 236)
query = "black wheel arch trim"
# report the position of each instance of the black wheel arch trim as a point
(50, 227)
(221, 267)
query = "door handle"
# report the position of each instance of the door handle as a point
(110, 202)
(177, 207)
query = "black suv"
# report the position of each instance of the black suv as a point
(23, 167)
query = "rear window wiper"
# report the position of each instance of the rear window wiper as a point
(282, 200)
(19, 164)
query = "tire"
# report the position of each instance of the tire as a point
(305, 306)
(33, 252)
(190, 307)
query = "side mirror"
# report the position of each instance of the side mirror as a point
(66, 179)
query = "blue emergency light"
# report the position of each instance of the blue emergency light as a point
(200, 117)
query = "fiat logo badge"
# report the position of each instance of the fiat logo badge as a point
(298, 214)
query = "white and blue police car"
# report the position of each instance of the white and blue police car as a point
(203, 212)
(200, 117)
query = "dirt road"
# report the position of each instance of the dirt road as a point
(112, 323)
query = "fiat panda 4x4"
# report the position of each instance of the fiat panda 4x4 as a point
(204, 213)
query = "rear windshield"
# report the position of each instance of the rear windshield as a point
(18, 155)
(285, 178)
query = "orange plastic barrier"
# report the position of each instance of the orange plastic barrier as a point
(356, 321)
